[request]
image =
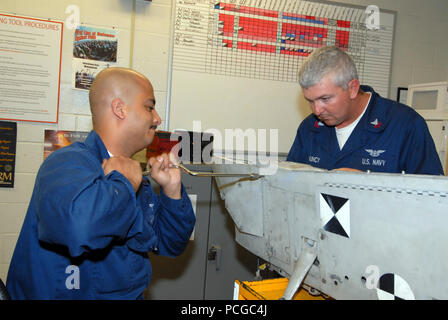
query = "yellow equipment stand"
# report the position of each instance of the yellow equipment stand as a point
(271, 289)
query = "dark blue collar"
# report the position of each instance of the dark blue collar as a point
(96, 145)
(374, 119)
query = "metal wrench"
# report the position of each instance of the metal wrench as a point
(209, 174)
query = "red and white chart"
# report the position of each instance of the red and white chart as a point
(270, 39)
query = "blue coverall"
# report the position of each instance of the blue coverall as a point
(82, 223)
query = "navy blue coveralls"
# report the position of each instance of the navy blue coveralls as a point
(80, 220)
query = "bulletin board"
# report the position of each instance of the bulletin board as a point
(234, 63)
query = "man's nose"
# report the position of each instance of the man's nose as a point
(316, 108)
(156, 118)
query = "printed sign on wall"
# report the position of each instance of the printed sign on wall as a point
(8, 140)
(30, 65)
(57, 139)
(94, 49)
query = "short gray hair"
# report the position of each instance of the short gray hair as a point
(326, 60)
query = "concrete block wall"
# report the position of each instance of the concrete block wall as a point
(420, 54)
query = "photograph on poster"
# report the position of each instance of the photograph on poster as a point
(94, 49)
(57, 139)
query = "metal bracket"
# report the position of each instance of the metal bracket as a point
(301, 268)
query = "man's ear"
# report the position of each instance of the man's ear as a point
(119, 109)
(353, 88)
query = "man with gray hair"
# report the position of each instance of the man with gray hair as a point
(351, 126)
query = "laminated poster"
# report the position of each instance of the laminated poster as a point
(30, 64)
(8, 140)
(94, 49)
(57, 139)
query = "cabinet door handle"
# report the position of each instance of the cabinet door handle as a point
(215, 254)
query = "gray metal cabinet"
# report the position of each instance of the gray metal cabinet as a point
(207, 269)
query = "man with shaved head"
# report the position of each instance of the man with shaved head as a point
(93, 217)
